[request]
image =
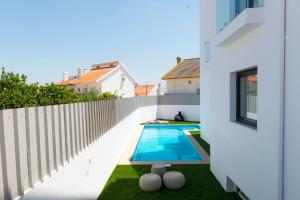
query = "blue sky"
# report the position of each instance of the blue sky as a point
(45, 38)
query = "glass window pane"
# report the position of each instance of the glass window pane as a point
(207, 51)
(247, 96)
(223, 14)
(228, 10)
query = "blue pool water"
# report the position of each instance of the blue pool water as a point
(166, 143)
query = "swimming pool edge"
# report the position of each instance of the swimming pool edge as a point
(126, 157)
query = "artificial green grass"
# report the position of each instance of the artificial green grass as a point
(203, 144)
(200, 185)
(200, 182)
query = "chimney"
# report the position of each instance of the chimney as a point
(80, 71)
(66, 76)
(179, 59)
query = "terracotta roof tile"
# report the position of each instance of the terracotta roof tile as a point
(89, 77)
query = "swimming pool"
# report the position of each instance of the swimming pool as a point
(166, 143)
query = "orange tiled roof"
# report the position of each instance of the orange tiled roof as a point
(89, 77)
(143, 90)
(252, 78)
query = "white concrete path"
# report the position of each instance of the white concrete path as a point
(79, 179)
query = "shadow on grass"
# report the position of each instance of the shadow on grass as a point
(200, 184)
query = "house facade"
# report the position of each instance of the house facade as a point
(248, 95)
(146, 90)
(184, 78)
(105, 77)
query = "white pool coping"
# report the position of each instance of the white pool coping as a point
(126, 157)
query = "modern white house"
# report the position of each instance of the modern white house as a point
(105, 77)
(184, 78)
(250, 93)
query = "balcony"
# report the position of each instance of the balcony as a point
(235, 18)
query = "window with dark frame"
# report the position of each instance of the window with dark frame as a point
(247, 97)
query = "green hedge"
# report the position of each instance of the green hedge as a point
(16, 92)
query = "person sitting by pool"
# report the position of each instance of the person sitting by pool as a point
(179, 117)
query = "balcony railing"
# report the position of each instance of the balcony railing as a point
(228, 10)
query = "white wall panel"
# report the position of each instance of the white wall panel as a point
(49, 139)
(189, 112)
(56, 136)
(9, 158)
(67, 131)
(21, 149)
(76, 125)
(62, 141)
(32, 146)
(41, 140)
(72, 130)
(2, 181)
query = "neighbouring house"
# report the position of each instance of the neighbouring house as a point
(250, 95)
(184, 78)
(105, 77)
(146, 90)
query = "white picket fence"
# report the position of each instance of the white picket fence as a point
(35, 142)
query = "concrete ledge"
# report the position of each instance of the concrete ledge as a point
(248, 20)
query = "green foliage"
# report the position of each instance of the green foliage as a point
(15, 92)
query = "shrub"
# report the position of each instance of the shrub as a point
(15, 92)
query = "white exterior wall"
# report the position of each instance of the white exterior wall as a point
(87, 174)
(182, 86)
(292, 108)
(189, 112)
(113, 83)
(81, 88)
(148, 113)
(250, 157)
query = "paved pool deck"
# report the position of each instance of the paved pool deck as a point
(125, 159)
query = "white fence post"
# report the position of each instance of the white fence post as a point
(21, 149)
(8, 154)
(101, 118)
(2, 189)
(31, 138)
(88, 128)
(49, 139)
(56, 136)
(80, 114)
(84, 133)
(62, 141)
(72, 130)
(41, 133)
(67, 131)
(76, 132)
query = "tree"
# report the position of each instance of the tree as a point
(15, 92)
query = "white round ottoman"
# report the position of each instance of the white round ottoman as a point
(173, 180)
(150, 182)
(158, 169)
